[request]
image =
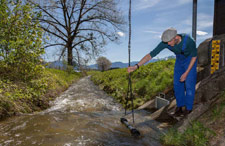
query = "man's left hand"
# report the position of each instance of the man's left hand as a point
(183, 77)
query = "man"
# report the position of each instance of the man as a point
(185, 72)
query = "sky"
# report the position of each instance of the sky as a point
(150, 18)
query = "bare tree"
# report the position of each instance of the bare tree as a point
(86, 25)
(103, 63)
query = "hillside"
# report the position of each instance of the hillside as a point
(147, 82)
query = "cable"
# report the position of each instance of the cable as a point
(129, 92)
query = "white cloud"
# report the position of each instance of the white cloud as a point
(201, 33)
(162, 4)
(144, 4)
(171, 5)
(154, 32)
(182, 2)
(121, 34)
(204, 21)
(187, 21)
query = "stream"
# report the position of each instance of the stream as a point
(83, 115)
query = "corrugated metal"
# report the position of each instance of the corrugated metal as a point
(219, 17)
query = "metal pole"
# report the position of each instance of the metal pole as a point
(129, 92)
(215, 17)
(194, 19)
(129, 48)
(129, 42)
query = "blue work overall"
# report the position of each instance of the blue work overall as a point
(184, 91)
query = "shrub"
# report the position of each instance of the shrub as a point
(20, 41)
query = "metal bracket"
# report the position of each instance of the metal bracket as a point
(161, 101)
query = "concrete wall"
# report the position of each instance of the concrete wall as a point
(204, 55)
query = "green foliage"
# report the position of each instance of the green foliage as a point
(61, 77)
(25, 84)
(195, 135)
(147, 82)
(35, 94)
(20, 41)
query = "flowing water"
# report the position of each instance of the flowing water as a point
(82, 116)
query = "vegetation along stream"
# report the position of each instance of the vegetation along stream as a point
(82, 115)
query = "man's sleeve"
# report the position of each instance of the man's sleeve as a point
(158, 49)
(192, 45)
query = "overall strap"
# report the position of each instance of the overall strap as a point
(169, 47)
(184, 44)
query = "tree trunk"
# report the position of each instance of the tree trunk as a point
(70, 55)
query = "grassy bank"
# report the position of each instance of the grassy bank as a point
(207, 130)
(25, 97)
(147, 81)
(195, 135)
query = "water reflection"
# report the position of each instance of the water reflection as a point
(78, 128)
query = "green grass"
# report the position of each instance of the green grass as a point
(25, 97)
(62, 77)
(218, 110)
(195, 135)
(147, 81)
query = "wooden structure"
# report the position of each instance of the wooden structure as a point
(219, 17)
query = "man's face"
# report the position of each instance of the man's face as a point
(172, 42)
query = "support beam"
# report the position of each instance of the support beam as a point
(219, 17)
(194, 19)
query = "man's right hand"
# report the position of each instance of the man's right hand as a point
(132, 68)
(143, 61)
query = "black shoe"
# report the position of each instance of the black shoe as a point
(186, 112)
(178, 111)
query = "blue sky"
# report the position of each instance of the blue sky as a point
(151, 17)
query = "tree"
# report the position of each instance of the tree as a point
(20, 41)
(103, 63)
(80, 27)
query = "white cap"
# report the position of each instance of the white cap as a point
(169, 34)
